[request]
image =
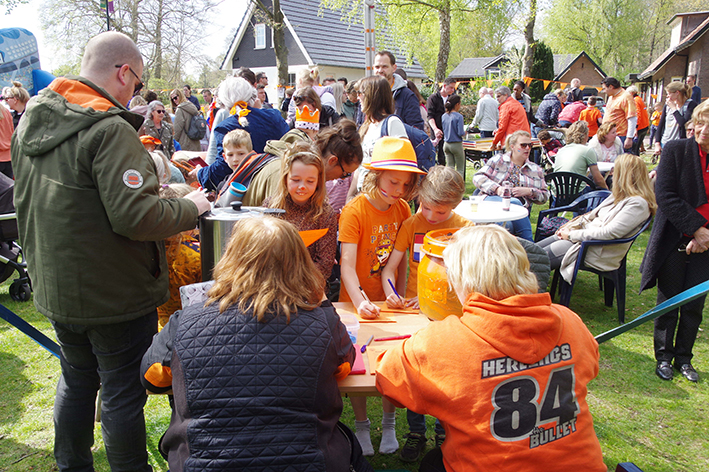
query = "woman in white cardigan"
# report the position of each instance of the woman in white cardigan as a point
(606, 143)
(620, 215)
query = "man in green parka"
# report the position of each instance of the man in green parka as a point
(91, 226)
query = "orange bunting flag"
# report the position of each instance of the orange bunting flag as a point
(489, 83)
(527, 81)
(563, 85)
(654, 96)
(457, 84)
(546, 83)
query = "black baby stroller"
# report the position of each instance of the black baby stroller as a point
(10, 251)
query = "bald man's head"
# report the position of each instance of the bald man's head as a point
(105, 51)
(103, 54)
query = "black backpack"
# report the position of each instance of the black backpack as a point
(198, 127)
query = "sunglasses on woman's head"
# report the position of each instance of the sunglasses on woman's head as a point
(298, 100)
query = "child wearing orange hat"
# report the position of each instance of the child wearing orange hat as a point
(368, 227)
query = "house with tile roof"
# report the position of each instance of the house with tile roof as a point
(688, 54)
(566, 67)
(313, 36)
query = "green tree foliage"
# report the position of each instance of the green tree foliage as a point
(437, 32)
(622, 36)
(612, 32)
(543, 68)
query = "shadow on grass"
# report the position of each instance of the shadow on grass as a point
(633, 375)
(16, 457)
(14, 386)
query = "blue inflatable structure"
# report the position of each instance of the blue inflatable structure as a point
(19, 60)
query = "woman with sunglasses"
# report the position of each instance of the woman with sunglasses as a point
(157, 126)
(527, 178)
(184, 110)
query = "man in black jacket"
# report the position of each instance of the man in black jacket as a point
(408, 107)
(436, 106)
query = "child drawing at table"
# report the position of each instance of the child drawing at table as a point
(368, 228)
(439, 193)
(301, 192)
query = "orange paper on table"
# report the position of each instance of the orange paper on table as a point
(310, 236)
(406, 311)
(382, 318)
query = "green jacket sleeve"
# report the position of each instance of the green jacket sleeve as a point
(125, 177)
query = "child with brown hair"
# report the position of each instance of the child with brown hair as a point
(302, 194)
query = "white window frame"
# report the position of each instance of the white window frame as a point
(260, 33)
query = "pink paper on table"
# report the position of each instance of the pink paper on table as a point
(358, 368)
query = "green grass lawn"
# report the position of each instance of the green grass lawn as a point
(639, 418)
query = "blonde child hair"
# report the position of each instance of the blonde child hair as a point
(308, 154)
(490, 261)
(266, 268)
(238, 138)
(442, 186)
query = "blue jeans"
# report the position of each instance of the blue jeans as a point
(108, 356)
(521, 228)
(417, 423)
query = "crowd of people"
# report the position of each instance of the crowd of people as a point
(253, 372)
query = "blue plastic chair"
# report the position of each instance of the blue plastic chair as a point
(582, 204)
(614, 280)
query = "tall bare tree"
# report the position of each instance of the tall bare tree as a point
(273, 16)
(529, 43)
(160, 28)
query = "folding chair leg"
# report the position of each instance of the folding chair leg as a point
(554, 284)
(565, 293)
(608, 292)
(600, 282)
(620, 299)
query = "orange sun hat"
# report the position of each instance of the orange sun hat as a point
(392, 153)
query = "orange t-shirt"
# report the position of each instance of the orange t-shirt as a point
(374, 232)
(643, 119)
(618, 109)
(656, 116)
(411, 237)
(591, 115)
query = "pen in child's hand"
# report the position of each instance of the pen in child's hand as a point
(393, 288)
(369, 341)
(364, 294)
